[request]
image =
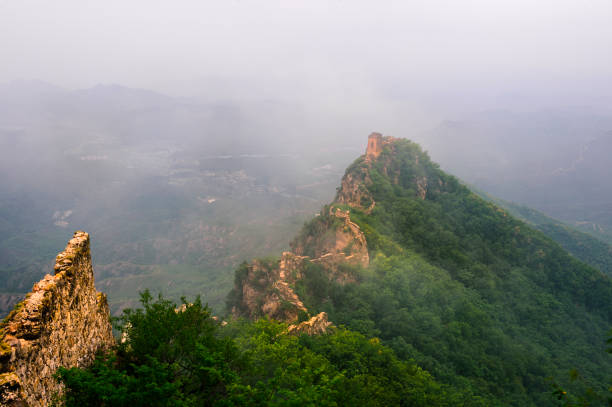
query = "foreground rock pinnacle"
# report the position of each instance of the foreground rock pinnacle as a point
(62, 322)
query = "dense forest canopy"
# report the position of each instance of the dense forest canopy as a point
(187, 358)
(478, 298)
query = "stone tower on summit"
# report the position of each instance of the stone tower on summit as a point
(375, 145)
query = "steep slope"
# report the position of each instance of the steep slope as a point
(267, 286)
(62, 322)
(555, 160)
(585, 247)
(480, 299)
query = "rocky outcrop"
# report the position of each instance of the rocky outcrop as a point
(331, 241)
(317, 325)
(353, 190)
(62, 322)
(266, 289)
(348, 246)
(421, 183)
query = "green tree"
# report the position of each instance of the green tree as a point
(180, 356)
(168, 355)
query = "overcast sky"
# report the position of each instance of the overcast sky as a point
(482, 52)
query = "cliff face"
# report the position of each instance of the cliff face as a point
(62, 322)
(336, 241)
(353, 190)
(266, 288)
(331, 240)
(407, 172)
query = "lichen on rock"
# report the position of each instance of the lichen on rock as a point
(62, 322)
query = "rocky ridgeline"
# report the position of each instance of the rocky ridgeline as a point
(332, 240)
(267, 289)
(62, 322)
(348, 246)
(380, 153)
(353, 189)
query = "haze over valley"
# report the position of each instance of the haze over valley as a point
(177, 192)
(305, 203)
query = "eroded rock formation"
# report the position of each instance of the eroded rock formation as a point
(62, 322)
(353, 191)
(317, 325)
(331, 241)
(266, 288)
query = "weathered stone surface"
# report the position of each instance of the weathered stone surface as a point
(267, 289)
(353, 191)
(62, 322)
(375, 146)
(421, 183)
(317, 325)
(10, 390)
(335, 242)
(350, 241)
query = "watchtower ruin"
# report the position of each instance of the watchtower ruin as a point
(375, 145)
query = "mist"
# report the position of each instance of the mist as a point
(151, 124)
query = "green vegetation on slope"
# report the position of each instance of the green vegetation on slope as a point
(496, 311)
(478, 298)
(183, 357)
(583, 246)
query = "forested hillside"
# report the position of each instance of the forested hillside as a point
(187, 358)
(478, 298)
(435, 297)
(585, 247)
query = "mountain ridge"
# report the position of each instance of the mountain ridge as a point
(480, 299)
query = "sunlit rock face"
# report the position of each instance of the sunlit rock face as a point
(64, 321)
(317, 325)
(332, 242)
(266, 289)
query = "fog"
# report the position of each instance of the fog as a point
(133, 119)
(418, 51)
(394, 66)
